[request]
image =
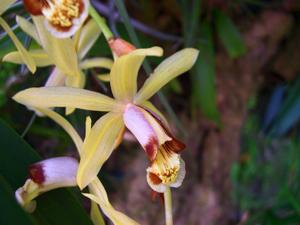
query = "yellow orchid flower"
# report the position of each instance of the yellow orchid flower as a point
(130, 108)
(97, 194)
(62, 17)
(62, 53)
(26, 58)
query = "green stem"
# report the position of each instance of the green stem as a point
(101, 23)
(168, 206)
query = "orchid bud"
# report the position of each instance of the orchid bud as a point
(45, 176)
(120, 47)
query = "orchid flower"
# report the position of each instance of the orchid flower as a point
(62, 17)
(27, 59)
(97, 193)
(62, 53)
(44, 176)
(130, 108)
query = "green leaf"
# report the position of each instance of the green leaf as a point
(54, 208)
(204, 76)
(229, 35)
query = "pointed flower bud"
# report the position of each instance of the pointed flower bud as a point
(63, 17)
(45, 176)
(120, 47)
(162, 148)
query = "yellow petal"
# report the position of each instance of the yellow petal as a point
(25, 55)
(61, 51)
(123, 75)
(104, 77)
(64, 124)
(77, 81)
(5, 4)
(28, 28)
(39, 56)
(47, 97)
(96, 63)
(96, 215)
(88, 126)
(56, 78)
(98, 147)
(170, 68)
(99, 195)
(88, 36)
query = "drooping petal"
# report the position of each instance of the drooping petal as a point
(146, 129)
(40, 58)
(28, 28)
(170, 68)
(99, 62)
(61, 51)
(96, 215)
(24, 54)
(123, 75)
(45, 176)
(98, 146)
(88, 36)
(47, 97)
(99, 196)
(4, 4)
(56, 78)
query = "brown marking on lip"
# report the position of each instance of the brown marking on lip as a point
(36, 173)
(35, 7)
(155, 179)
(120, 47)
(174, 145)
(151, 148)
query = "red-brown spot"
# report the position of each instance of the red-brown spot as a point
(155, 179)
(35, 7)
(157, 194)
(120, 47)
(151, 148)
(36, 173)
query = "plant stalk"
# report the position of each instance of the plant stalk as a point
(168, 206)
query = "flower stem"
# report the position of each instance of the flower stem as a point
(168, 206)
(101, 23)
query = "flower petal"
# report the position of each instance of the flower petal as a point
(98, 146)
(24, 54)
(56, 78)
(5, 4)
(40, 58)
(99, 195)
(104, 77)
(47, 97)
(61, 51)
(124, 72)
(28, 28)
(96, 215)
(88, 36)
(170, 68)
(150, 107)
(99, 62)
(145, 128)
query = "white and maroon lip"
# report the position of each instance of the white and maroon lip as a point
(157, 184)
(63, 17)
(55, 172)
(149, 130)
